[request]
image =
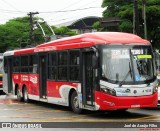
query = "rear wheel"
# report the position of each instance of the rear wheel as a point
(25, 95)
(75, 103)
(19, 98)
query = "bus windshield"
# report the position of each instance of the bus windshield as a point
(127, 64)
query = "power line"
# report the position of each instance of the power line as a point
(9, 4)
(12, 11)
(70, 10)
(76, 2)
(89, 3)
(73, 16)
(66, 12)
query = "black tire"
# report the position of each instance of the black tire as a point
(25, 95)
(19, 98)
(75, 104)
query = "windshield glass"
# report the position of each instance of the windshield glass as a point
(127, 63)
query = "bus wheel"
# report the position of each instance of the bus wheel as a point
(75, 103)
(19, 98)
(25, 95)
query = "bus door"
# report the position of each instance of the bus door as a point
(43, 75)
(87, 78)
(8, 69)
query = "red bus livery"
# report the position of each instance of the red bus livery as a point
(93, 71)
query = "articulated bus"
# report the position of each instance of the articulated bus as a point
(92, 71)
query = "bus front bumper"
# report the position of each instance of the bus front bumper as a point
(108, 102)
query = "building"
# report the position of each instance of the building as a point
(82, 25)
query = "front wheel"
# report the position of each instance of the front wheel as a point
(75, 103)
(25, 95)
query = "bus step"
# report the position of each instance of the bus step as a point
(43, 100)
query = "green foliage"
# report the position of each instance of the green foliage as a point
(124, 10)
(126, 26)
(96, 25)
(63, 30)
(10, 35)
(15, 33)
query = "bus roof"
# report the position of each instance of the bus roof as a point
(100, 38)
(83, 40)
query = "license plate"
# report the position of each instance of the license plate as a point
(135, 106)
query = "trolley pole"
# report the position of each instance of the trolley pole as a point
(32, 38)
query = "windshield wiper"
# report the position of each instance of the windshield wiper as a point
(129, 72)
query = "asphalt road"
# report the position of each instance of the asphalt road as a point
(13, 111)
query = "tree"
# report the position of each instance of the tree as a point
(63, 30)
(96, 25)
(124, 10)
(15, 33)
(12, 33)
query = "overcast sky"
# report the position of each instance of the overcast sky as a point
(53, 11)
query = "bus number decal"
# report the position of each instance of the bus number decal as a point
(24, 78)
(16, 77)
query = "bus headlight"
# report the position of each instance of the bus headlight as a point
(107, 90)
(155, 89)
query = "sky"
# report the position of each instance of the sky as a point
(54, 12)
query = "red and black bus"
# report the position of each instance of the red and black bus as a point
(92, 71)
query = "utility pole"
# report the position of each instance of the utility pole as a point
(136, 29)
(32, 38)
(144, 18)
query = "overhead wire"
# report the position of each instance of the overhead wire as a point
(71, 4)
(12, 11)
(74, 16)
(9, 4)
(16, 11)
(64, 14)
(69, 10)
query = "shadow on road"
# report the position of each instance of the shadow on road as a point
(130, 114)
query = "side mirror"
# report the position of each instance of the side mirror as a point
(94, 61)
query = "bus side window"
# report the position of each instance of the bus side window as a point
(74, 65)
(33, 67)
(16, 64)
(62, 65)
(52, 66)
(24, 63)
